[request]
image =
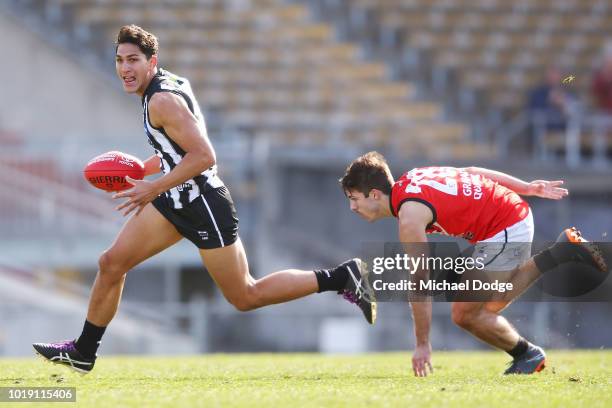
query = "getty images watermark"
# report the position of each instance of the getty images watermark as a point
(446, 271)
(412, 264)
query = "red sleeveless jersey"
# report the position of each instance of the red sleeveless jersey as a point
(466, 205)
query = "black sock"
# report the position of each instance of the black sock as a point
(331, 279)
(557, 254)
(88, 342)
(545, 261)
(520, 348)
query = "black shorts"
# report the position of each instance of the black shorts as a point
(209, 221)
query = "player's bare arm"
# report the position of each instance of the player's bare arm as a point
(170, 112)
(152, 165)
(413, 220)
(537, 188)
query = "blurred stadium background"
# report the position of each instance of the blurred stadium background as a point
(292, 91)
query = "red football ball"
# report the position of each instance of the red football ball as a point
(107, 171)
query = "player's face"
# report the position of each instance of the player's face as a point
(133, 68)
(368, 207)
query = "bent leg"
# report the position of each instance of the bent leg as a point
(486, 325)
(229, 268)
(142, 236)
(482, 318)
(521, 278)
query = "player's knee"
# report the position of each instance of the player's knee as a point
(462, 317)
(110, 268)
(249, 299)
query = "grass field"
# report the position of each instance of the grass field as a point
(461, 379)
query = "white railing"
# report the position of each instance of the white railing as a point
(595, 127)
(582, 130)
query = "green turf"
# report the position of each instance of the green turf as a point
(572, 379)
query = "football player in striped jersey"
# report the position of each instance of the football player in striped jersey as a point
(188, 201)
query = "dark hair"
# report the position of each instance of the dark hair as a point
(367, 172)
(132, 34)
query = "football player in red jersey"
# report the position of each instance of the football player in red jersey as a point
(483, 206)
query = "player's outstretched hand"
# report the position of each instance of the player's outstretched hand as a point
(141, 194)
(547, 189)
(421, 361)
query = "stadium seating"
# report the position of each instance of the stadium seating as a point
(267, 66)
(497, 47)
(483, 56)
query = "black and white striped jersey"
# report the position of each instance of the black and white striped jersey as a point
(167, 150)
